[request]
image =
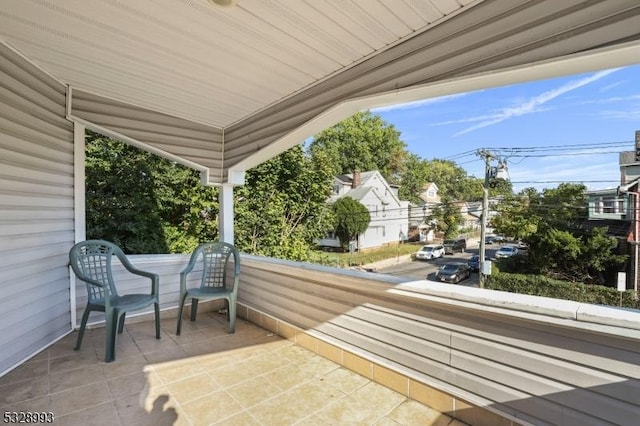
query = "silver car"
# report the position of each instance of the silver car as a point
(506, 251)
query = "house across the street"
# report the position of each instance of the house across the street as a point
(389, 215)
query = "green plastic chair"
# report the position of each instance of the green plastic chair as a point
(214, 281)
(91, 262)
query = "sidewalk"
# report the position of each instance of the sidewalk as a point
(372, 267)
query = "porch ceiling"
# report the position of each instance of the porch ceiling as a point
(265, 74)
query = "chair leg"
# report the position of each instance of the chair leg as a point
(121, 323)
(232, 316)
(180, 308)
(157, 312)
(194, 308)
(110, 336)
(83, 324)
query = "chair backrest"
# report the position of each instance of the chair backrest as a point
(215, 263)
(91, 262)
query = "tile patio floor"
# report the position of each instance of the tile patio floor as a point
(205, 376)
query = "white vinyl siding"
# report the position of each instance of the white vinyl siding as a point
(36, 209)
(539, 360)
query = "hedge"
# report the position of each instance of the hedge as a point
(538, 285)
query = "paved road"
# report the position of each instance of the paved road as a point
(426, 269)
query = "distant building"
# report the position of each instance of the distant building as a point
(389, 215)
(421, 228)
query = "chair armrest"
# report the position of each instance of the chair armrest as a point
(188, 269)
(155, 278)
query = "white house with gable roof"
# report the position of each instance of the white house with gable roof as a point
(389, 215)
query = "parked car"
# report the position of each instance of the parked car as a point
(489, 239)
(474, 262)
(453, 272)
(452, 246)
(430, 251)
(506, 251)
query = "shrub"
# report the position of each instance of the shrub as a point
(537, 285)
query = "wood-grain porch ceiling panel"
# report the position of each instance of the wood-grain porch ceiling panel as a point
(493, 35)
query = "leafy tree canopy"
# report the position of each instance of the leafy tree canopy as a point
(552, 222)
(363, 142)
(144, 203)
(282, 207)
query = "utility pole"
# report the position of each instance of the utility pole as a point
(488, 156)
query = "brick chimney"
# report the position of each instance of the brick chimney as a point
(356, 179)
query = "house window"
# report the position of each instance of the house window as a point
(609, 206)
(336, 189)
(431, 193)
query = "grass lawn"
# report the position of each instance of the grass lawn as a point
(343, 260)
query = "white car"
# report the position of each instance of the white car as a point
(506, 251)
(430, 251)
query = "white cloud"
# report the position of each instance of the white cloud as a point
(612, 99)
(533, 104)
(611, 86)
(630, 114)
(418, 104)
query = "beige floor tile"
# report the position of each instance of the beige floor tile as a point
(41, 403)
(65, 345)
(29, 370)
(346, 380)
(153, 345)
(202, 347)
(240, 419)
(128, 384)
(205, 376)
(295, 404)
(63, 381)
(236, 373)
(159, 412)
(254, 391)
(413, 413)
(288, 376)
(165, 355)
(192, 388)
(211, 408)
(124, 366)
(318, 366)
(174, 371)
(25, 390)
(79, 398)
(100, 415)
(73, 360)
(367, 405)
(144, 331)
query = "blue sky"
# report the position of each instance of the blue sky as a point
(584, 119)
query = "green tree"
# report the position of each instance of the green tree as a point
(552, 224)
(144, 203)
(282, 207)
(363, 142)
(415, 176)
(351, 219)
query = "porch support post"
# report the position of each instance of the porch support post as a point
(225, 217)
(79, 208)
